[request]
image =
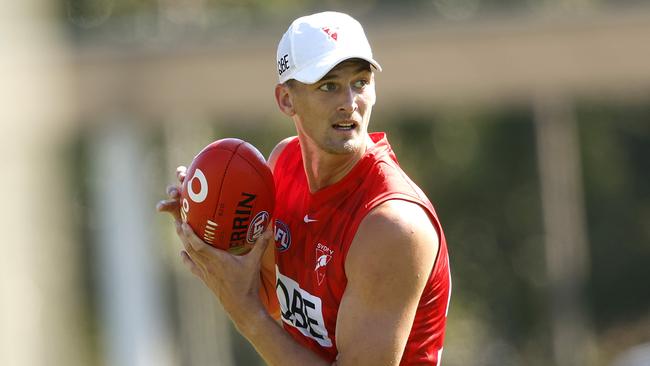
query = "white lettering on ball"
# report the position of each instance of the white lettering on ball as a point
(203, 192)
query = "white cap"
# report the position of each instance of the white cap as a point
(314, 44)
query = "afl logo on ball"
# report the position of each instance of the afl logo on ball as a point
(282, 236)
(257, 226)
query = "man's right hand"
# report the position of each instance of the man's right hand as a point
(172, 204)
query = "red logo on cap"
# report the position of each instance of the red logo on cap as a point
(330, 33)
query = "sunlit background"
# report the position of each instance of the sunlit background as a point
(526, 122)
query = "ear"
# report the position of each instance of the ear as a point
(284, 100)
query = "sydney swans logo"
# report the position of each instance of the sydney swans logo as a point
(323, 257)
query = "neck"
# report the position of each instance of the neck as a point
(324, 169)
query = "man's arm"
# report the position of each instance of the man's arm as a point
(387, 265)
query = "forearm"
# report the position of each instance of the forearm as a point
(274, 344)
(268, 297)
(267, 283)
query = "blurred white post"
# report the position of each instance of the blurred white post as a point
(566, 247)
(42, 317)
(136, 329)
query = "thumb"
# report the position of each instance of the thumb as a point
(261, 244)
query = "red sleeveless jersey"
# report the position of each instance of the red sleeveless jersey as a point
(313, 233)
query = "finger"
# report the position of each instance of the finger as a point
(179, 231)
(185, 240)
(196, 244)
(170, 206)
(173, 191)
(189, 263)
(196, 256)
(181, 235)
(181, 171)
(167, 205)
(261, 244)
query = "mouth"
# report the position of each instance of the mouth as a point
(345, 125)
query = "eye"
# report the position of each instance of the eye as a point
(360, 84)
(327, 87)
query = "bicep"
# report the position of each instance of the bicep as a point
(388, 265)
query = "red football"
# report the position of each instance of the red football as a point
(228, 195)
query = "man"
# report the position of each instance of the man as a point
(360, 260)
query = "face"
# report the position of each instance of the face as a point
(333, 113)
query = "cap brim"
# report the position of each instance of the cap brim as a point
(312, 73)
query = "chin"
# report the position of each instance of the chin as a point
(343, 147)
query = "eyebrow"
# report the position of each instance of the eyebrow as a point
(333, 75)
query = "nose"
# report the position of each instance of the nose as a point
(348, 103)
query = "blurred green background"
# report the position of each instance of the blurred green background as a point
(527, 123)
